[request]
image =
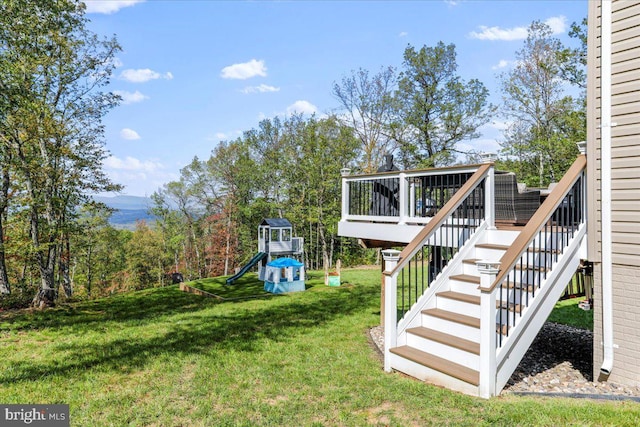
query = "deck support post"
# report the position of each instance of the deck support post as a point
(403, 198)
(489, 192)
(344, 173)
(391, 257)
(488, 364)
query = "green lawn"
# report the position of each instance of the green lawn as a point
(166, 358)
(567, 312)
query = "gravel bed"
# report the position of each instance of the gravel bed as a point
(559, 362)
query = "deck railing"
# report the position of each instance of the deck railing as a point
(401, 197)
(524, 267)
(516, 287)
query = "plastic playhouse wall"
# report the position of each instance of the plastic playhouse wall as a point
(284, 287)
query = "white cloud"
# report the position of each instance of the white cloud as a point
(452, 2)
(108, 6)
(558, 25)
(245, 70)
(143, 75)
(139, 177)
(485, 145)
(403, 34)
(130, 97)
(503, 63)
(496, 125)
(132, 164)
(116, 62)
(223, 136)
(129, 134)
(497, 33)
(304, 107)
(261, 89)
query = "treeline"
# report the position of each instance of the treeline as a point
(54, 237)
(290, 168)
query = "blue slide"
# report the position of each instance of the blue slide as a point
(256, 259)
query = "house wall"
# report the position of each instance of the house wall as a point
(625, 185)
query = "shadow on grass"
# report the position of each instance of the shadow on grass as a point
(234, 326)
(135, 306)
(247, 286)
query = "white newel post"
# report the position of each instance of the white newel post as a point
(403, 195)
(489, 191)
(488, 271)
(344, 172)
(391, 257)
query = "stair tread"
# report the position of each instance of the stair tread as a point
(447, 367)
(444, 338)
(466, 278)
(505, 247)
(472, 261)
(513, 285)
(459, 296)
(509, 306)
(474, 299)
(492, 246)
(474, 322)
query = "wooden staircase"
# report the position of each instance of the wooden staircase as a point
(442, 346)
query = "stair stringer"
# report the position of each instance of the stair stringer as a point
(534, 316)
(413, 317)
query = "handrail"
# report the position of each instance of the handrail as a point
(537, 221)
(440, 217)
(414, 172)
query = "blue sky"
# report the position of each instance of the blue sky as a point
(193, 73)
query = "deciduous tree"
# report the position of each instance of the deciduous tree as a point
(52, 69)
(438, 108)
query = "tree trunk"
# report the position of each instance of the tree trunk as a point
(227, 249)
(89, 271)
(45, 258)
(47, 294)
(5, 288)
(65, 259)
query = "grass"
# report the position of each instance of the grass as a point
(567, 312)
(162, 357)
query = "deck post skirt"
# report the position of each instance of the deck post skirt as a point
(489, 192)
(488, 370)
(344, 173)
(391, 257)
(403, 197)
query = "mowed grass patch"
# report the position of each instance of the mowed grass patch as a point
(567, 312)
(167, 358)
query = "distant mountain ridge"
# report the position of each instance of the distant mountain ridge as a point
(125, 202)
(128, 210)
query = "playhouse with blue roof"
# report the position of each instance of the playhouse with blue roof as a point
(284, 275)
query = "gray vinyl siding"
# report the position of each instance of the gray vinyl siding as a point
(625, 185)
(625, 150)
